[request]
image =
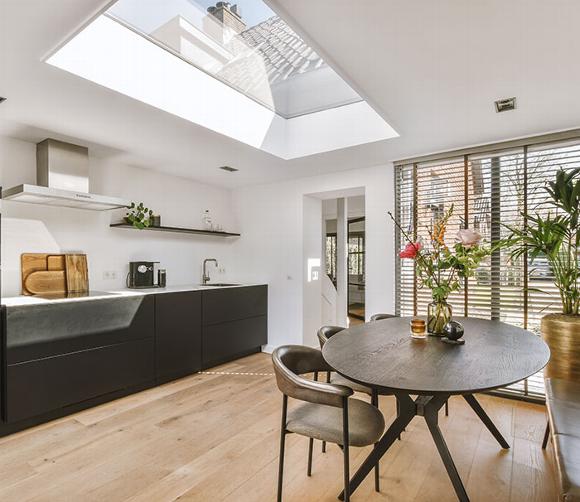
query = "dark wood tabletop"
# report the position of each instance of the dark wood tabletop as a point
(383, 355)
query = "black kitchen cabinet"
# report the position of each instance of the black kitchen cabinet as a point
(58, 356)
(177, 334)
(235, 323)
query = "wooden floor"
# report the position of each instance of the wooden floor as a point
(214, 436)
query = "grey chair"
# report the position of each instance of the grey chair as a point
(380, 317)
(327, 412)
(324, 334)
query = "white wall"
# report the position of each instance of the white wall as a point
(311, 268)
(272, 250)
(36, 228)
(280, 226)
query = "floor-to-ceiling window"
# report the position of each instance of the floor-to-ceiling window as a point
(491, 190)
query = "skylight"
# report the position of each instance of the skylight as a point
(249, 78)
(246, 46)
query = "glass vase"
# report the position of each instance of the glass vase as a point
(439, 313)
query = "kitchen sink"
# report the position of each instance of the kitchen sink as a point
(218, 285)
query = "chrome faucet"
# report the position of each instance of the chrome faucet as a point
(206, 277)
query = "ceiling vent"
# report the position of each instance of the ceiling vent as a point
(229, 169)
(2, 99)
(505, 105)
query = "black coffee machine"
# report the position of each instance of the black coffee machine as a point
(142, 275)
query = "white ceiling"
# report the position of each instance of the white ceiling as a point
(432, 69)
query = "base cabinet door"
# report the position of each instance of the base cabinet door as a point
(177, 334)
(37, 387)
(230, 340)
(57, 357)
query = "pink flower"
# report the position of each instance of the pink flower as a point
(468, 238)
(410, 250)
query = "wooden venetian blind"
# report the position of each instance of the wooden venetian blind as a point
(490, 191)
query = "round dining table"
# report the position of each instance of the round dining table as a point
(423, 373)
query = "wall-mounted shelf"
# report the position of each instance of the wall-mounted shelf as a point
(179, 230)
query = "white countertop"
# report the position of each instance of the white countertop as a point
(125, 292)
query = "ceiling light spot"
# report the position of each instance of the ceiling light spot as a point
(505, 105)
(229, 169)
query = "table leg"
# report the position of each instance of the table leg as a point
(407, 410)
(431, 412)
(470, 398)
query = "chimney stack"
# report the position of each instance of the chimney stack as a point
(228, 15)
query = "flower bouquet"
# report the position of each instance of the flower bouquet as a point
(442, 269)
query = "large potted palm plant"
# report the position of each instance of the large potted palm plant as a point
(555, 237)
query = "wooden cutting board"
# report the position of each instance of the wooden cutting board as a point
(77, 273)
(55, 262)
(45, 282)
(32, 262)
(71, 268)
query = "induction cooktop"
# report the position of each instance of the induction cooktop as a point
(71, 294)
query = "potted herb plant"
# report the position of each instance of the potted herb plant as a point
(443, 269)
(139, 216)
(555, 237)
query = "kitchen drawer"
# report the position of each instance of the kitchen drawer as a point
(230, 304)
(227, 341)
(40, 331)
(45, 385)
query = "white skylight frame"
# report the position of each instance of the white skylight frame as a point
(111, 55)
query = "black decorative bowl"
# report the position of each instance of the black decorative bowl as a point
(453, 330)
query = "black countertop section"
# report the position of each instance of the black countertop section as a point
(40, 331)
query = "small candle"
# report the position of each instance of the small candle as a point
(418, 327)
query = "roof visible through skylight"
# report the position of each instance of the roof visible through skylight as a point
(246, 46)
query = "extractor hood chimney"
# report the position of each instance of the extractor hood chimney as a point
(62, 177)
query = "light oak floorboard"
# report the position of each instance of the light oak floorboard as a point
(214, 436)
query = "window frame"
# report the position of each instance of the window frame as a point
(406, 177)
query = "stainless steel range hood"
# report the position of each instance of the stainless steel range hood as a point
(62, 176)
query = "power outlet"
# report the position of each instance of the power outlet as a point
(109, 275)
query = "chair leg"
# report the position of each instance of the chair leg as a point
(546, 436)
(323, 446)
(345, 443)
(446, 408)
(310, 444)
(398, 412)
(375, 403)
(282, 444)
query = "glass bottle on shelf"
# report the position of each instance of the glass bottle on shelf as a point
(206, 219)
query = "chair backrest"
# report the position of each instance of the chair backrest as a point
(380, 317)
(326, 332)
(291, 361)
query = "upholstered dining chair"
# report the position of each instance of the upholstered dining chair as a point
(326, 412)
(380, 317)
(335, 378)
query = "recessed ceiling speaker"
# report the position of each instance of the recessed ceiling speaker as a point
(229, 169)
(505, 105)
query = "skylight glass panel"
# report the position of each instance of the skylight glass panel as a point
(246, 46)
